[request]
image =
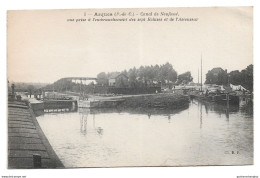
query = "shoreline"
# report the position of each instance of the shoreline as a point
(159, 101)
(26, 138)
(56, 160)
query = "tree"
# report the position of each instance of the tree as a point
(172, 76)
(149, 74)
(30, 89)
(217, 76)
(141, 74)
(164, 70)
(144, 75)
(250, 77)
(247, 78)
(221, 77)
(124, 72)
(102, 78)
(184, 78)
(167, 73)
(235, 77)
(156, 70)
(132, 73)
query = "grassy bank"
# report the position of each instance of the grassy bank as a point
(163, 101)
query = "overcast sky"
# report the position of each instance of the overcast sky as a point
(44, 47)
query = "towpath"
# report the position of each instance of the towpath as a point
(26, 141)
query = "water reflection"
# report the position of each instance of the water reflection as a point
(200, 116)
(83, 124)
(84, 115)
(146, 111)
(217, 108)
(201, 134)
(169, 118)
(245, 107)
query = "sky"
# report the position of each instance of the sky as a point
(44, 47)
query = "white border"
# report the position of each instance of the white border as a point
(211, 171)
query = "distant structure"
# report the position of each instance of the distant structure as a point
(118, 80)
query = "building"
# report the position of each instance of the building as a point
(118, 80)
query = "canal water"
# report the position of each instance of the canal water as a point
(201, 134)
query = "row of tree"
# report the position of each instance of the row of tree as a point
(163, 75)
(149, 75)
(222, 77)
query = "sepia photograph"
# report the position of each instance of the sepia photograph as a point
(130, 87)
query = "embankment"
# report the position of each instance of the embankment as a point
(162, 101)
(27, 145)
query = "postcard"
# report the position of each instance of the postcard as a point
(130, 87)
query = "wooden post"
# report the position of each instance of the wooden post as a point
(43, 94)
(12, 89)
(227, 114)
(227, 97)
(13, 93)
(37, 161)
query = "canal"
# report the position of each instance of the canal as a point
(201, 134)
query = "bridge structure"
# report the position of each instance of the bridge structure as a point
(65, 84)
(81, 80)
(60, 84)
(78, 80)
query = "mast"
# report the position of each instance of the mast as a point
(201, 72)
(198, 75)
